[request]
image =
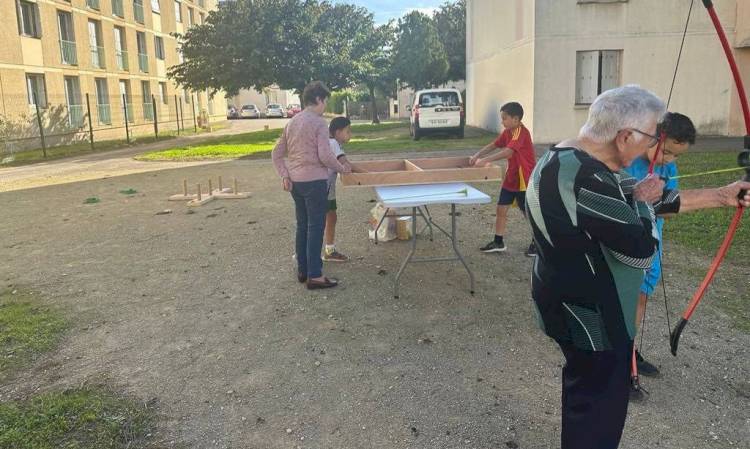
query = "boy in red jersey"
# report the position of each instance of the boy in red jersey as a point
(516, 146)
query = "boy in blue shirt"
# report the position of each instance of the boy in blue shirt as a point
(680, 134)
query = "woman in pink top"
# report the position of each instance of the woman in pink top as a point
(302, 157)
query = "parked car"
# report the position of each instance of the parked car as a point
(437, 111)
(232, 113)
(275, 110)
(292, 110)
(249, 111)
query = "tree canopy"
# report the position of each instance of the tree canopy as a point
(419, 57)
(253, 44)
(450, 21)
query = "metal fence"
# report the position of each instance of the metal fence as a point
(363, 110)
(93, 119)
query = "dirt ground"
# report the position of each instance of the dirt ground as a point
(200, 313)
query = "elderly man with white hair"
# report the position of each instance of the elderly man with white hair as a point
(594, 229)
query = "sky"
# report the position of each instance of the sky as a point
(393, 9)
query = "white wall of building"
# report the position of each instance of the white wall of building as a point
(263, 99)
(499, 60)
(536, 65)
(649, 35)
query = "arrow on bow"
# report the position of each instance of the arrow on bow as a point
(743, 160)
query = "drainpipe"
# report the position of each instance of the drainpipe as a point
(2, 93)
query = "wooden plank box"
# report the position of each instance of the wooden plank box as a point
(420, 171)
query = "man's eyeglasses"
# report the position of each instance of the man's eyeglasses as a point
(654, 139)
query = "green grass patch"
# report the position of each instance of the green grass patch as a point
(736, 307)
(230, 147)
(81, 418)
(27, 329)
(384, 138)
(704, 230)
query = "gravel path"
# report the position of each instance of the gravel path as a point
(199, 311)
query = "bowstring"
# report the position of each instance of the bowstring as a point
(661, 255)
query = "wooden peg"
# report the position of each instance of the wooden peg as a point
(200, 200)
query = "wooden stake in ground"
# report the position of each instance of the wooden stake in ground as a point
(200, 200)
(184, 196)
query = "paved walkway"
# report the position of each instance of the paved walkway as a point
(116, 162)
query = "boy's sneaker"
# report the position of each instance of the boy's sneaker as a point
(645, 367)
(493, 247)
(531, 252)
(334, 256)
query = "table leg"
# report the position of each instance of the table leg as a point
(411, 252)
(380, 223)
(428, 221)
(454, 241)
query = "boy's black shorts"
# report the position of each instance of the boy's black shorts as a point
(507, 197)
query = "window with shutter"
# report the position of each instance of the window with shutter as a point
(35, 89)
(28, 19)
(596, 71)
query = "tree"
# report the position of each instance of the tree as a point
(450, 21)
(419, 58)
(258, 43)
(371, 54)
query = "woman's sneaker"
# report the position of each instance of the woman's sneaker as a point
(531, 252)
(493, 247)
(334, 256)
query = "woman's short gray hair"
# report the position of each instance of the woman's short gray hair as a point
(620, 108)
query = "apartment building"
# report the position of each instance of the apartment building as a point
(556, 56)
(54, 52)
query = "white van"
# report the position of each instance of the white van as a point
(437, 110)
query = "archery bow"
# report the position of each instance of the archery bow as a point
(743, 160)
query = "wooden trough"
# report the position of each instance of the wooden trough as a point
(420, 171)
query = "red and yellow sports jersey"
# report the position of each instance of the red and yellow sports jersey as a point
(523, 160)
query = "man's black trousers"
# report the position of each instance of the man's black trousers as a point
(595, 393)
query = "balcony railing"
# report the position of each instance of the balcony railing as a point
(75, 115)
(68, 52)
(122, 59)
(148, 111)
(138, 11)
(105, 114)
(143, 62)
(93, 4)
(117, 8)
(97, 57)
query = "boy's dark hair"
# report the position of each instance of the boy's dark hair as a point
(678, 127)
(338, 123)
(513, 109)
(315, 91)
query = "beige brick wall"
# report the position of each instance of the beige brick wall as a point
(21, 55)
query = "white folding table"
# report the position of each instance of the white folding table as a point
(418, 197)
